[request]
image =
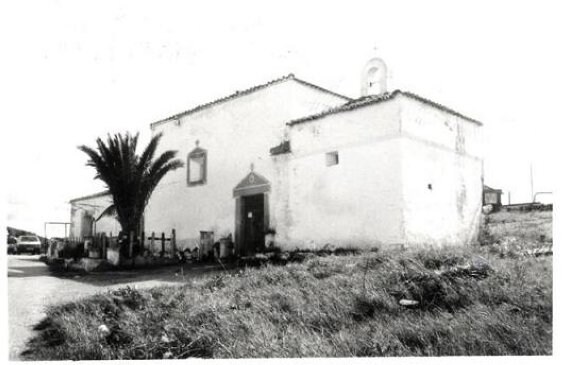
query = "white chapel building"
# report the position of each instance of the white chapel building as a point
(310, 168)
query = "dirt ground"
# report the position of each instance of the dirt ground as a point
(32, 287)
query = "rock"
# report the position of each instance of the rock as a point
(408, 302)
(88, 264)
(103, 330)
(540, 251)
(188, 254)
(113, 256)
(479, 263)
(168, 355)
(487, 209)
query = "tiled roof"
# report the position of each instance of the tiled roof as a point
(439, 106)
(246, 92)
(488, 188)
(374, 99)
(96, 195)
(351, 105)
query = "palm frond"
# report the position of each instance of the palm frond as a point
(108, 212)
(130, 178)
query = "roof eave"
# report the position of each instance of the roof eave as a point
(343, 109)
(91, 196)
(246, 92)
(439, 106)
(314, 86)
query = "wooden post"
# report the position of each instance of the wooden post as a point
(142, 240)
(152, 238)
(173, 242)
(131, 243)
(163, 244)
(104, 246)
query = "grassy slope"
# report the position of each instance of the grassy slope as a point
(326, 306)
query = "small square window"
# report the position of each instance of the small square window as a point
(331, 158)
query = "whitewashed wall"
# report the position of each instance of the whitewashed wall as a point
(408, 172)
(235, 134)
(93, 207)
(442, 175)
(356, 203)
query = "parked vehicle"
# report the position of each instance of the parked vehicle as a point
(28, 244)
(11, 245)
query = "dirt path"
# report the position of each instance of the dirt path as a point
(31, 287)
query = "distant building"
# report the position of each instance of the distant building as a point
(86, 218)
(492, 196)
(311, 167)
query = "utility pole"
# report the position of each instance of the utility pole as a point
(531, 179)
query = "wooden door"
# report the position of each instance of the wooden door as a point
(253, 223)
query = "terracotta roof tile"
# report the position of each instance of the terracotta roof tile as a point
(439, 106)
(351, 105)
(374, 99)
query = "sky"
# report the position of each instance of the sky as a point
(73, 71)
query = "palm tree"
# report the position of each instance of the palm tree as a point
(130, 178)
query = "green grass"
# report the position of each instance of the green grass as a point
(332, 306)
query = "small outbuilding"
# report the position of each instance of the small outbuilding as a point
(492, 196)
(88, 218)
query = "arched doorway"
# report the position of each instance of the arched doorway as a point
(252, 214)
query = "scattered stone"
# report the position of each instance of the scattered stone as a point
(408, 302)
(542, 251)
(478, 267)
(479, 263)
(487, 209)
(168, 355)
(165, 338)
(103, 330)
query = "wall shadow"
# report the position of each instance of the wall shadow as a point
(168, 274)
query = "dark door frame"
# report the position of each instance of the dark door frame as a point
(252, 184)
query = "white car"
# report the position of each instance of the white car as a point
(28, 244)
